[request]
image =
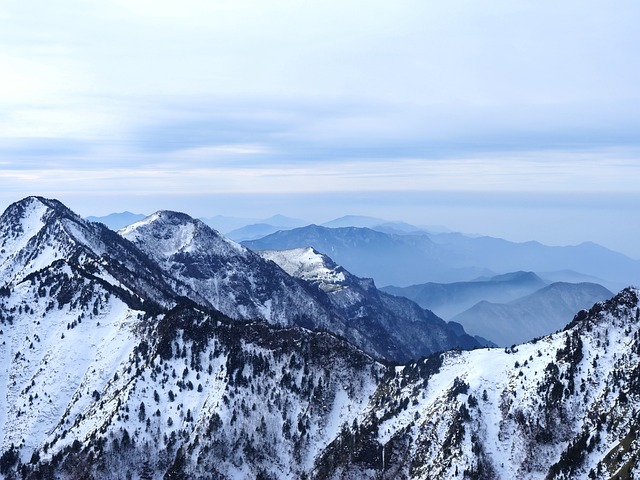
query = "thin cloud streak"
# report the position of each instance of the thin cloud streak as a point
(585, 173)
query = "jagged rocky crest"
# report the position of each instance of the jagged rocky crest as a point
(107, 374)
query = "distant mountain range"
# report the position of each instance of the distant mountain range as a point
(450, 299)
(510, 308)
(453, 257)
(254, 232)
(404, 260)
(116, 221)
(373, 223)
(546, 310)
(226, 225)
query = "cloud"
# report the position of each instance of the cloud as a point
(318, 96)
(226, 170)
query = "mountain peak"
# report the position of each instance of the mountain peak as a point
(354, 221)
(168, 217)
(174, 232)
(36, 208)
(37, 235)
(519, 276)
(27, 218)
(308, 264)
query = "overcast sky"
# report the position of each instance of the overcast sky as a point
(512, 118)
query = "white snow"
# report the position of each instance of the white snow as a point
(305, 263)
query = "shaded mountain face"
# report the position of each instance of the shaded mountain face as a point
(404, 260)
(540, 313)
(384, 323)
(450, 299)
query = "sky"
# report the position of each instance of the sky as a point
(510, 118)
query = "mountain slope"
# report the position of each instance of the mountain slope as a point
(195, 395)
(534, 315)
(564, 407)
(186, 395)
(70, 295)
(393, 325)
(104, 375)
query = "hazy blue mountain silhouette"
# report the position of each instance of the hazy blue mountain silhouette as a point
(116, 221)
(541, 313)
(387, 258)
(449, 299)
(404, 260)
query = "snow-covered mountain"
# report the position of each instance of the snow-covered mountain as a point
(38, 234)
(375, 320)
(243, 285)
(226, 276)
(71, 295)
(563, 407)
(108, 371)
